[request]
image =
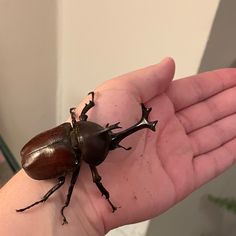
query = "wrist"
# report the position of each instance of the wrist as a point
(21, 191)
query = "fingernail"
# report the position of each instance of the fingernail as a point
(166, 59)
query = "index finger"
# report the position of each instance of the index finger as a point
(194, 89)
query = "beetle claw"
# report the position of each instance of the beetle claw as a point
(65, 222)
(64, 218)
(87, 107)
(120, 146)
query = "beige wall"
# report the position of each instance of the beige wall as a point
(102, 39)
(27, 69)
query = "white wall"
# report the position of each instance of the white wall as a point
(101, 39)
(98, 40)
(27, 69)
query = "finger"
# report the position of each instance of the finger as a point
(212, 164)
(208, 111)
(145, 83)
(191, 90)
(213, 136)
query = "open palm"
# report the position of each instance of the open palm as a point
(194, 142)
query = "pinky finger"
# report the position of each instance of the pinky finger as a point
(209, 165)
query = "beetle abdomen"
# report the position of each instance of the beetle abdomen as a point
(49, 154)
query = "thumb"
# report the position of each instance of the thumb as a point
(146, 83)
(153, 80)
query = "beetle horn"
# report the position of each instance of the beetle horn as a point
(142, 124)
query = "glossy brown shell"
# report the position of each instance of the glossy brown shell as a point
(49, 154)
(93, 142)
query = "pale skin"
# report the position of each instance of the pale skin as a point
(194, 142)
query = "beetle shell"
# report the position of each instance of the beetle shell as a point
(49, 154)
(93, 143)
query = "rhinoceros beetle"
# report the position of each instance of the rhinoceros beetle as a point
(60, 151)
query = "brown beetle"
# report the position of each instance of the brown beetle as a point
(59, 151)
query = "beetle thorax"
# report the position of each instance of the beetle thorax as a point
(93, 142)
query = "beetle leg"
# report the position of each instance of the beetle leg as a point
(69, 193)
(73, 116)
(47, 195)
(97, 180)
(126, 148)
(88, 106)
(142, 124)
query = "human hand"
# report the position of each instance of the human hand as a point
(194, 141)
